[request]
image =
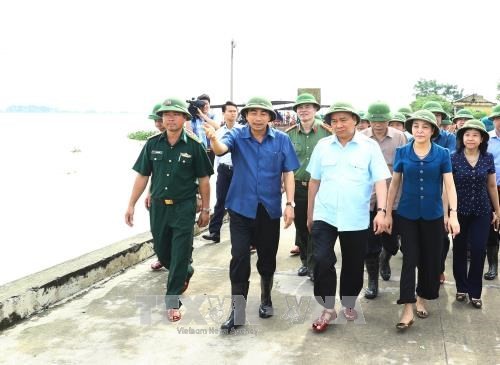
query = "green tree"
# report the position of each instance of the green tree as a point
(432, 87)
(421, 100)
(498, 89)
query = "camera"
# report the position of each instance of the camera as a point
(194, 105)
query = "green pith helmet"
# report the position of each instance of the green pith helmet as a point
(398, 117)
(473, 124)
(446, 121)
(306, 98)
(463, 114)
(362, 115)
(495, 113)
(174, 105)
(425, 115)
(378, 112)
(406, 110)
(258, 102)
(341, 107)
(153, 114)
(435, 107)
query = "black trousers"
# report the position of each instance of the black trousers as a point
(388, 241)
(353, 248)
(264, 233)
(302, 235)
(421, 244)
(224, 177)
(473, 231)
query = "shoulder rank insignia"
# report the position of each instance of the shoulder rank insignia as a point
(155, 135)
(193, 136)
(291, 128)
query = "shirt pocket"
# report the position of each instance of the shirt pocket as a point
(273, 160)
(298, 147)
(358, 170)
(156, 155)
(329, 168)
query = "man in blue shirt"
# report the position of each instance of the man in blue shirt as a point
(494, 149)
(261, 157)
(344, 169)
(449, 141)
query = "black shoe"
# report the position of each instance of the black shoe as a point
(266, 305)
(303, 271)
(237, 318)
(310, 273)
(212, 237)
(372, 268)
(385, 268)
(492, 254)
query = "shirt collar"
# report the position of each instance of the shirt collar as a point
(369, 132)
(182, 137)
(247, 134)
(357, 137)
(314, 127)
(430, 156)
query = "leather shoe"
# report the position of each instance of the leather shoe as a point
(212, 237)
(303, 271)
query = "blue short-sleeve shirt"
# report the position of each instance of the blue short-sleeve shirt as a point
(472, 183)
(446, 139)
(422, 187)
(347, 174)
(257, 169)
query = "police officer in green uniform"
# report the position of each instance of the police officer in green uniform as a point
(179, 166)
(304, 137)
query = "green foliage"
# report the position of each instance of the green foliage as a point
(479, 114)
(432, 87)
(498, 89)
(141, 135)
(421, 100)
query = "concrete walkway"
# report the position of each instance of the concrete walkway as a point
(122, 321)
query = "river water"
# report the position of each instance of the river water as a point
(65, 184)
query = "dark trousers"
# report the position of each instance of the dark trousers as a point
(474, 231)
(172, 229)
(388, 241)
(264, 233)
(353, 248)
(302, 236)
(224, 177)
(421, 244)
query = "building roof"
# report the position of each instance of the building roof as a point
(473, 99)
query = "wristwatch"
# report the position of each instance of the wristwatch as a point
(292, 204)
(381, 210)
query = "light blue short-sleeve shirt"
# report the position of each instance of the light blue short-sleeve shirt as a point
(347, 175)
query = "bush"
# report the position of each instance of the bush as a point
(141, 135)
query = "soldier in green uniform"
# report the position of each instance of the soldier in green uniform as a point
(304, 137)
(179, 166)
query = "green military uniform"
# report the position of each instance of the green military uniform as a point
(175, 170)
(304, 144)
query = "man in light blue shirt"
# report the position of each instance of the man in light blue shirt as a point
(344, 169)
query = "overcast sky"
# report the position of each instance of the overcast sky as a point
(128, 55)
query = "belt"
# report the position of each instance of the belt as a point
(226, 166)
(169, 201)
(303, 183)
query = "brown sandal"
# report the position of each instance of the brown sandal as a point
(321, 324)
(173, 314)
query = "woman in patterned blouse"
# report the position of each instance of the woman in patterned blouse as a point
(474, 174)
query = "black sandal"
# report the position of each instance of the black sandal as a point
(460, 297)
